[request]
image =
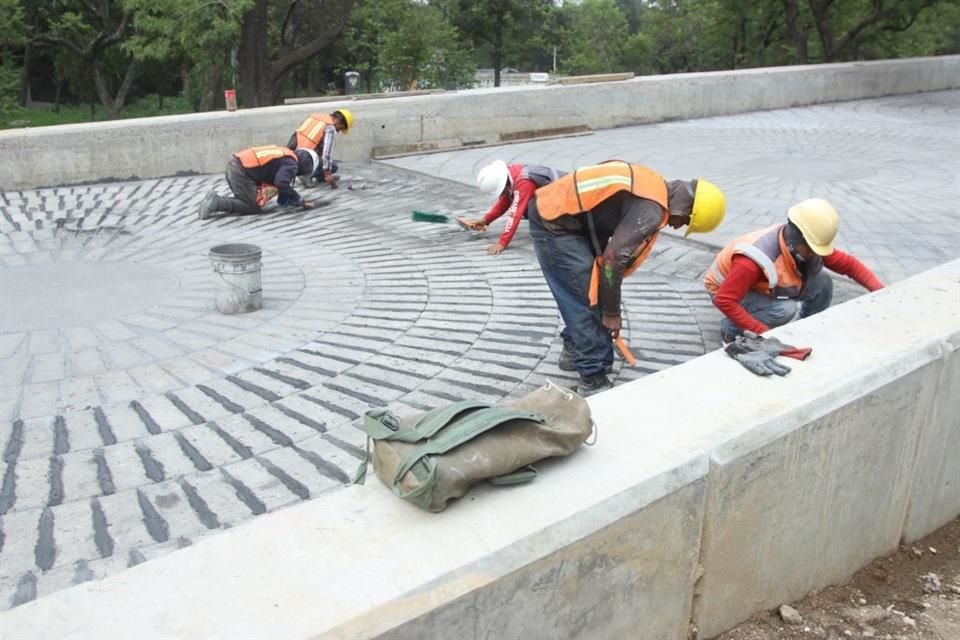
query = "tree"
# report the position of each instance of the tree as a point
(584, 51)
(500, 24)
(275, 40)
(423, 49)
(843, 27)
(196, 33)
(12, 37)
(92, 32)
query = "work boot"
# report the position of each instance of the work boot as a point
(596, 383)
(209, 205)
(309, 182)
(568, 358)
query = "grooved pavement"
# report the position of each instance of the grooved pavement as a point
(136, 419)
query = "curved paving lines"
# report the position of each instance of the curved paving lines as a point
(144, 419)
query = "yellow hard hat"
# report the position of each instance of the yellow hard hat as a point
(818, 221)
(709, 206)
(347, 119)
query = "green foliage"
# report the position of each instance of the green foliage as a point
(144, 107)
(404, 44)
(196, 27)
(12, 35)
(423, 50)
(187, 46)
(595, 37)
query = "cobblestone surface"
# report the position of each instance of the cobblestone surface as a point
(890, 166)
(135, 419)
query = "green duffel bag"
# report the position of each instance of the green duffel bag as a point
(433, 458)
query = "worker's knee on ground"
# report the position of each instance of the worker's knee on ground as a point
(817, 294)
(780, 313)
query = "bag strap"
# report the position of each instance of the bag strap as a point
(382, 424)
(520, 476)
(455, 434)
(434, 421)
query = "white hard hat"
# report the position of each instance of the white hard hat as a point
(493, 178)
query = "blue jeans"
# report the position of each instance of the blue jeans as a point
(567, 261)
(816, 296)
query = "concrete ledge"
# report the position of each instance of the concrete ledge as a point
(710, 494)
(590, 79)
(202, 143)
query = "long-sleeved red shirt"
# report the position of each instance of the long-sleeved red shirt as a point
(515, 206)
(744, 273)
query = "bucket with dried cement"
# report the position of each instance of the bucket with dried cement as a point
(236, 269)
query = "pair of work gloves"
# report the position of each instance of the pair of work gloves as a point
(758, 354)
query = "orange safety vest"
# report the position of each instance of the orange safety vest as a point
(768, 248)
(310, 131)
(585, 188)
(258, 156)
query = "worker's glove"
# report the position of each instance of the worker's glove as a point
(772, 346)
(330, 179)
(759, 362)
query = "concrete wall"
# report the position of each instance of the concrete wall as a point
(202, 143)
(709, 494)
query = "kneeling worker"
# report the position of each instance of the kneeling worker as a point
(318, 133)
(252, 168)
(768, 277)
(596, 225)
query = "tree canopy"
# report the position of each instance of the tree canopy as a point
(114, 51)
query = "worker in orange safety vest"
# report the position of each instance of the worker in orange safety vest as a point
(256, 167)
(318, 133)
(769, 277)
(596, 225)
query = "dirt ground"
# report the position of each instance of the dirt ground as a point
(913, 594)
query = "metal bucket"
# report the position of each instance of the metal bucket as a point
(237, 269)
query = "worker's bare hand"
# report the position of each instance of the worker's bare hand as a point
(472, 225)
(612, 324)
(495, 249)
(308, 204)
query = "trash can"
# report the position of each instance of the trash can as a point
(236, 269)
(351, 82)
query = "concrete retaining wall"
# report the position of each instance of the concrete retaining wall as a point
(709, 494)
(202, 143)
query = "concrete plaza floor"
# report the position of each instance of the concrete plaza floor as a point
(134, 418)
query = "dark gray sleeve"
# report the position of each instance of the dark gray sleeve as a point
(284, 180)
(641, 219)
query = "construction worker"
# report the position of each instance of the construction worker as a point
(514, 185)
(769, 277)
(596, 225)
(318, 133)
(256, 167)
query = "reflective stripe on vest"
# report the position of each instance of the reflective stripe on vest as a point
(258, 156)
(768, 250)
(587, 187)
(310, 131)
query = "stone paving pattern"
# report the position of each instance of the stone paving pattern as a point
(135, 419)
